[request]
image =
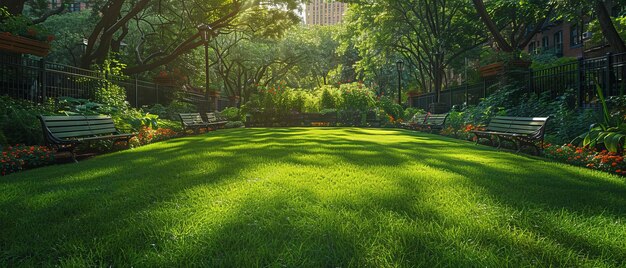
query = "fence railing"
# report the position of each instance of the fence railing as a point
(582, 75)
(39, 80)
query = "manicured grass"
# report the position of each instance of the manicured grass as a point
(313, 197)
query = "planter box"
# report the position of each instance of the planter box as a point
(500, 67)
(23, 45)
(168, 81)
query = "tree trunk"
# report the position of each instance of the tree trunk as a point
(608, 29)
(491, 26)
(15, 7)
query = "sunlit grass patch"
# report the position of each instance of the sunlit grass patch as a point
(313, 197)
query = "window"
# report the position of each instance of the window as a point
(558, 42)
(545, 43)
(575, 38)
(531, 47)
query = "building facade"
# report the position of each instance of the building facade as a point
(562, 39)
(76, 6)
(321, 12)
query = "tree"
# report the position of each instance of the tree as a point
(429, 34)
(509, 21)
(168, 29)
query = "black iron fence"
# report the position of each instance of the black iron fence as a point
(38, 80)
(608, 71)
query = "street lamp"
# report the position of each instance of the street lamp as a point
(400, 67)
(205, 30)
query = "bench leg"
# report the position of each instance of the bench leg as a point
(518, 146)
(73, 153)
(499, 142)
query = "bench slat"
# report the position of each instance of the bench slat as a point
(78, 128)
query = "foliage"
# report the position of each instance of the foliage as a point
(23, 26)
(604, 160)
(494, 104)
(550, 60)
(149, 135)
(390, 107)
(19, 123)
(172, 110)
(110, 93)
(610, 133)
(20, 157)
(356, 97)
(234, 124)
(232, 114)
(410, 112)
(488, 56)
(597, 37)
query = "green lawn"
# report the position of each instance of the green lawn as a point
(313, 197)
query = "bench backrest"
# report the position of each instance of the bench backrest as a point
(518, 125)
(191, 119)
(419, 118)
(436, 119)
(212, 117)
(68, 127)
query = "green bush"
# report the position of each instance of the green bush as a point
(19, 123)
(410, 112)
(232, 114)
(390, 107)
(234, 124)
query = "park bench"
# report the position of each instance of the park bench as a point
(216, 120)
(434, 122)
(64, 133)
(518, 130)
(415, 122)
(192, 121)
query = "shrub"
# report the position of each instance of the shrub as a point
(234, 124)
(390, 107)
(232, 114)
(587, 157)
(19, 123)
(21, 157)
(149, 135)
(410, 112)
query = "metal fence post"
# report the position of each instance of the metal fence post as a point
(44, 84)
(136, 91)
(466, 93)
(451, 103)
(484, 88)
(608, 84)
(531, 82)
(580, 82)
(157, 93)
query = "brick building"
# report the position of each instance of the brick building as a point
(563, 39)
(321, 12)
(76, 6)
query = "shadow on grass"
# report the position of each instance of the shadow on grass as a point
(102, 211)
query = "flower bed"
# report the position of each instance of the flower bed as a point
(148, 135)
(20, 157)
(568, 153)
(585, 157)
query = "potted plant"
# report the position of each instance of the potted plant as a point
(19, 35)
(496, 63)
(413, 93)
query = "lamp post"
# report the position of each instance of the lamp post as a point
(204, 33)
(400, 67)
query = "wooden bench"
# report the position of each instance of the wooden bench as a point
(519, 130)
(63, 133)
(435, 122)
(192, 121)
(214, 119)
(415, 122)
